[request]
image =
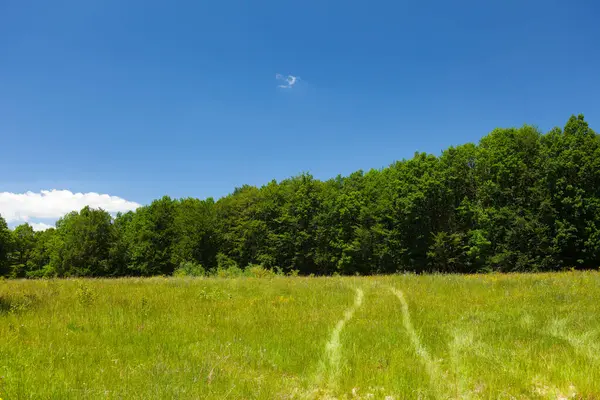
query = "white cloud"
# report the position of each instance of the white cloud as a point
(53, 204)
(288, 81)
(40, 226)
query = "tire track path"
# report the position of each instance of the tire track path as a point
(333, 347)
(329, 368)
(436, 379)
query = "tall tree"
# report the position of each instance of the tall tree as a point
(23, 244)
(5, 247)
(38, 264)
(573, 178)
(518, 200)
(82, 244)
(194, 231)
(150, 237)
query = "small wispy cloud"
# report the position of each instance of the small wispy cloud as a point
(288, 81)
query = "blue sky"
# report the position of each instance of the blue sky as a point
(138, 99)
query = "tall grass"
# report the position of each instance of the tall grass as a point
(476, 336)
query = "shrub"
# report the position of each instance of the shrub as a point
(85, 294)
(189, 268)
(258, 271)
(46, 272)
(225, 262)
(227, 267)
(233, 271)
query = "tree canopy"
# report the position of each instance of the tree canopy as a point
(519, 200)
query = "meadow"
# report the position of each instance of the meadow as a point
(513, 336)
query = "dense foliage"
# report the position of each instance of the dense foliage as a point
(520, 200)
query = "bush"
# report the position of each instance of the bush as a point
(86, 294)
(233, 271)
(227, 267)
(18, 271)
(189, 268)
(258, 271)
(225, 262)
(46, 272)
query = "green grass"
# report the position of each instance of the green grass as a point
(430, 337)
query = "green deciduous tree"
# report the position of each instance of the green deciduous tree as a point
(150, 238)
(5, 247)
(24, 241)
(82, 244)
(519, 200)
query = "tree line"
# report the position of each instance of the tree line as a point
(519, 200)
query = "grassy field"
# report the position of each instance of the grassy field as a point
(397, 337)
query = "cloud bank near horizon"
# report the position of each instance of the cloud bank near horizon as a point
(53, 204)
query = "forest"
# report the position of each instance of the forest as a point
(519, 200)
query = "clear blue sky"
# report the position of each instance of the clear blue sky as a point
(144, 98)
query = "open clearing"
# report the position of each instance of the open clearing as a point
(397, 337)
